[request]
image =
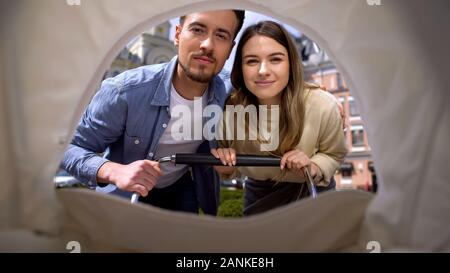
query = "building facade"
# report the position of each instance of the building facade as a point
(151, 47)
(357, 170)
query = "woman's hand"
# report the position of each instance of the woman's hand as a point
(296, 160)
(228, 158)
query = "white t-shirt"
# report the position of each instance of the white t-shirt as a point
(178, 137)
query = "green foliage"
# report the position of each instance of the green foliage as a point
(231, 208)
(227, 194)
(231, 203)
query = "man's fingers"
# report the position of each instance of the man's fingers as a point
(139, 188)
(147, 174)
(144, 180)
(155, 171)
(152, 168)
(148, 181)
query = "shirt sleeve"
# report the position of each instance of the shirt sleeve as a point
(331, 144)
(102, 123)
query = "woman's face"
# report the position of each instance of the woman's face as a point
(265, 67)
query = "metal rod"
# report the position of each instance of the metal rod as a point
(310, 183)
(134, 198)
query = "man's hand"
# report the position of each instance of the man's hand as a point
(345, 123)
(139, 176)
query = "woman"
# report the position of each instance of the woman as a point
(267, 71)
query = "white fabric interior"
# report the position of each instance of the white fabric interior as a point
(393, 56)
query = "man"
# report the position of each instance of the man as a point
(130, 120)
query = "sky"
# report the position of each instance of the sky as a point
(250, 18)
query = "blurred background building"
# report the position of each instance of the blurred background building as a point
(357, 171)
(151, 47)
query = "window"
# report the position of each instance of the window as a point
(353, 110)
(357, 135)
(340, 84)
(346, 169)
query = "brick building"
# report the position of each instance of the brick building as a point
(357, 171)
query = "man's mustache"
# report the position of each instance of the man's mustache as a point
(204, 55)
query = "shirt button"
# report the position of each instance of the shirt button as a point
(164, 125)
(136, 141)
(150, 154)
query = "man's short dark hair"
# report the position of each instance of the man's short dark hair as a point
(240, 15)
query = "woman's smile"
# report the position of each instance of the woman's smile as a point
(264, 83)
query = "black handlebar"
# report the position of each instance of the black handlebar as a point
(241, 160)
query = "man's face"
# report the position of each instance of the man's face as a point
(204, 43)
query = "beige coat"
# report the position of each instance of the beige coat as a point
(323, 141)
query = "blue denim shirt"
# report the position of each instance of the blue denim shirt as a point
(125, 120)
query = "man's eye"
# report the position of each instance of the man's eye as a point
(197, 30)
(221, 36)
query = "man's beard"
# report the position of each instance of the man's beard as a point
(200, 77)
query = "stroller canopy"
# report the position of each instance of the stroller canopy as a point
(393, 57)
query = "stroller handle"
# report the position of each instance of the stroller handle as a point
(241, 160)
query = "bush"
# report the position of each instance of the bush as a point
(231, 208)
(226, 194)
(231, 203)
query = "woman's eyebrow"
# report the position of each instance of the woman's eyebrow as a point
(277, 53)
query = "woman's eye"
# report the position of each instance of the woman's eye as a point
(276, 60)
(252, 61)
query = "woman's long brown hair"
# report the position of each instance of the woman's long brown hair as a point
(292, 108)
